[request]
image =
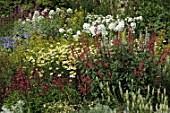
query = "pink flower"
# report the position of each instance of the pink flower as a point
(47, 85)
(106, 65)
(163, 57)
(41, 94)
(99, 73)
(141, 64)
(135, 71)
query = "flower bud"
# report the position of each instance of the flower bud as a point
(101, 85)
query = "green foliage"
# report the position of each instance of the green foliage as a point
(7, 67)
(14, 108)
(105, 65)
(37, 91)
(58, 72)
(10, 62)
(101, 109)
(52, 57)
(154, 12)
(137, 102)
(68, 22)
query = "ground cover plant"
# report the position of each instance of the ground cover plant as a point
(63, 59)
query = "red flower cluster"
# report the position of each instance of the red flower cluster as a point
(84, 84)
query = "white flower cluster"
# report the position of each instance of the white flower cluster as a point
(17, 108)
(77, 35)
(98, 24)
(132, 22)
(37, 16)
(51, 14)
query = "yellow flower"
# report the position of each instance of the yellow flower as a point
(59, 75)
(65, 62)
(72, 74)
(50, 68)
(72, 68)
(57, 62)
(40, 74)
(32, 60)
(65, 66)
(51, 46)
(51, 73)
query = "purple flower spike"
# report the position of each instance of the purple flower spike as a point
(36, 8)
(19, 8)
(15, 11)
(27, 8)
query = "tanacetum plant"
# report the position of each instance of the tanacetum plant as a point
(52, 57)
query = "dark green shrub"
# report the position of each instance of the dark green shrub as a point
(155, 14)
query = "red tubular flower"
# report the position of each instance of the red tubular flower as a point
(158, 79)
(87, 51)
(20, 72)
(82, 57)
(106, 65)
(163, 57)
(7, 92)
(70, 82)
(116, 42)
(27, 82)
(39, 85)
(135, 71)
(45, 89)
(41, 94)
(47, 85)
(91, 63)
(139, 75)
(99, 73)
(141, 64)
(87, 68)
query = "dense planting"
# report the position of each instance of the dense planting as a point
(60, 59)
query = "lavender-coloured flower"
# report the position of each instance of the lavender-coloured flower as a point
(7, 42)
(126, 110)
(26, 35)
(44, 12)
